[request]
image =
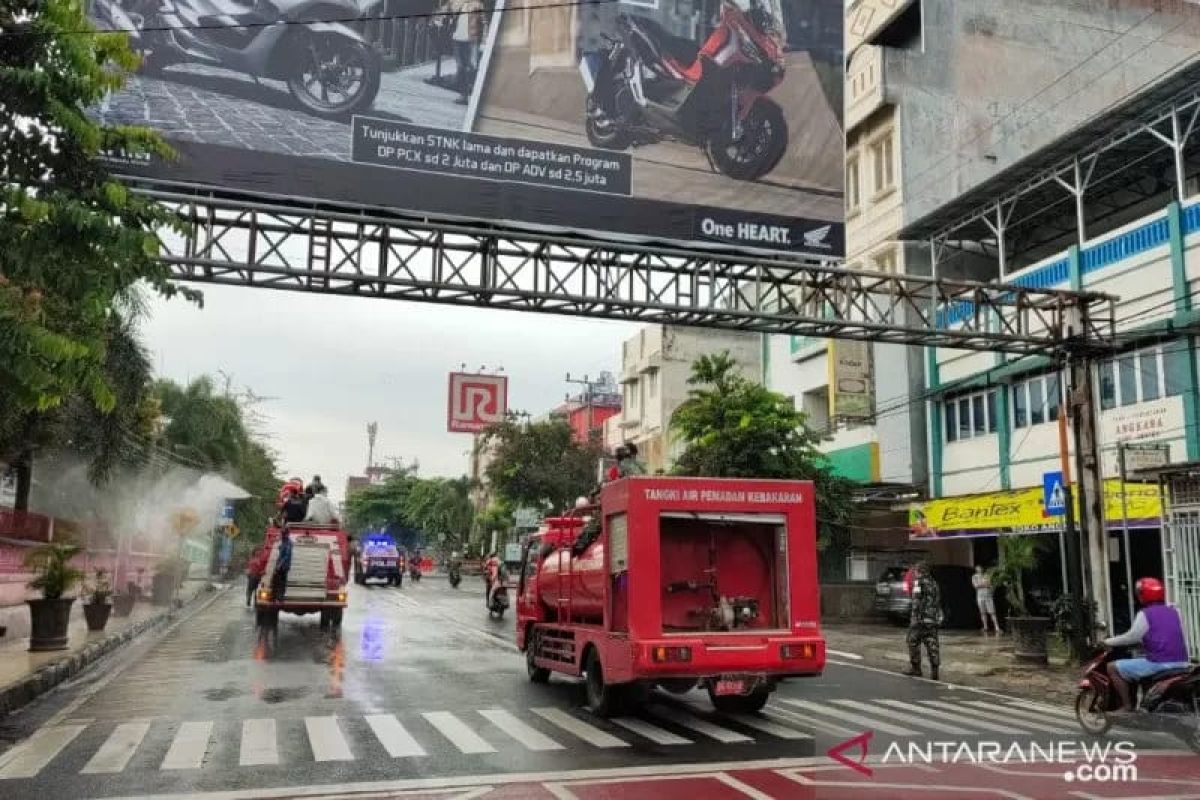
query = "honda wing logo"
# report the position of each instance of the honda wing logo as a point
(818, 237)
(476, 402)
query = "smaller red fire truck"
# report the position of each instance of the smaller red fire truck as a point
(316, 583)
(676, 583)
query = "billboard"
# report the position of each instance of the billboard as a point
(694, 121)
(476, 402)
(851, 386)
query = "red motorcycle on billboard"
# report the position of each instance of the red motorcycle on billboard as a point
(648, 85)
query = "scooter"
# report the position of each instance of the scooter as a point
(329, 68)
(1169, 701)
(455, 575)
(498, 600)
(648, 85)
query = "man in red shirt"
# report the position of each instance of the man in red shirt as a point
(255, 568)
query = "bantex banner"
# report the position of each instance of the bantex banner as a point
(686, 120)
(1021, 511)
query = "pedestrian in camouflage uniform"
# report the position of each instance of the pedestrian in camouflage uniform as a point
(924, 623)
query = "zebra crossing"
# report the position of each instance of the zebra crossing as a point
(666, 722)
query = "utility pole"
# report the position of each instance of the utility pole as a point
(372, 430)
(1087, 576)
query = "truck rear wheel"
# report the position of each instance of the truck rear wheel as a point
(603, 700)
(739, 703)
(536, 674)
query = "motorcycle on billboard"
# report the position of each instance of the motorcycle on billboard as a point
(328, 67)
(648, 85)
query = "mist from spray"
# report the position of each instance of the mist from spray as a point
(154, 505)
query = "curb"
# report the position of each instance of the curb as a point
(22, 692)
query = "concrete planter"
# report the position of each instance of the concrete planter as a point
(1030, 639)
(48, 623)
(123, 605)
(96, 615)
(163, 588)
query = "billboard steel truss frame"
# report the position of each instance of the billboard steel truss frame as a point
(286, 246)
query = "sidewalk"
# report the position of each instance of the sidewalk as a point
(25, 675)
(968, 659)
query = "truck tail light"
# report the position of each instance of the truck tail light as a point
(264, 594)
(789, 652)
(668, 655)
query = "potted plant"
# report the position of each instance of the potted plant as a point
(50, 616)
(1018, 555)
(97, 609)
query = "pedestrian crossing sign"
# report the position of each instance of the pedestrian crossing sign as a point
(1054, 495)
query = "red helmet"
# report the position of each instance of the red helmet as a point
(1149, 590)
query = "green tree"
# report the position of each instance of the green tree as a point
(540, 465)
(73, 240)
(207, 430)
(733, 427)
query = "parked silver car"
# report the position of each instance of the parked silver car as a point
(893, 595)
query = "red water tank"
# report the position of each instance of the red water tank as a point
(573, 588)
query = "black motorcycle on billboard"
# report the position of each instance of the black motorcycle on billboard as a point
(328, 67)
(648, 85)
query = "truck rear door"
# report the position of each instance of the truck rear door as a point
(310, 564)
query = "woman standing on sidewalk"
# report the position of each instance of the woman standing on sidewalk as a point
(985, 599)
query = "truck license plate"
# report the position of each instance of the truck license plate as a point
(728, 686)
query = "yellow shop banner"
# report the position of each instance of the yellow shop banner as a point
(1022, 511)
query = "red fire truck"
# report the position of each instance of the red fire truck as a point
(316, 583)
(676, 582)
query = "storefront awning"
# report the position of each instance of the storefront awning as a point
(1021, 511)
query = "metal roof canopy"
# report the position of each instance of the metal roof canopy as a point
(1129, 154)
(268, 243)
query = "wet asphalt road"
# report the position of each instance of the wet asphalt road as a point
(420, 683)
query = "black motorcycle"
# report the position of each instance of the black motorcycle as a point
(455, 575)
(1169, 701)
(328, 67)
(498, 600)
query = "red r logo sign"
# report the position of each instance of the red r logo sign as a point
(476, 402)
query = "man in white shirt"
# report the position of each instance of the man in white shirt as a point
(320, 509)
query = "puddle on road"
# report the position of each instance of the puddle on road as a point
(284, 694)
(224, 693)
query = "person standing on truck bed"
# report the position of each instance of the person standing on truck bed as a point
(295, 507)
(320, 510)
(283, 565)
(924, 622)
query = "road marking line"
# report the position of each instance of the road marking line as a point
(744, 788)
(29, 757)
(912, 715)
(577, 727)
(454, 729)
(773, 728)
(328, 743)
(1044, 709)
(651, 732)
(395, 739)
(1013, 711)
(532, 738)
(116, 751)
(847, 716)
(841, 654)
(982, 719)
(189, 746)
(258, 743)
(701, 726)
(787, 715)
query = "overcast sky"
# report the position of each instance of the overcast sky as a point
(333, 364)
